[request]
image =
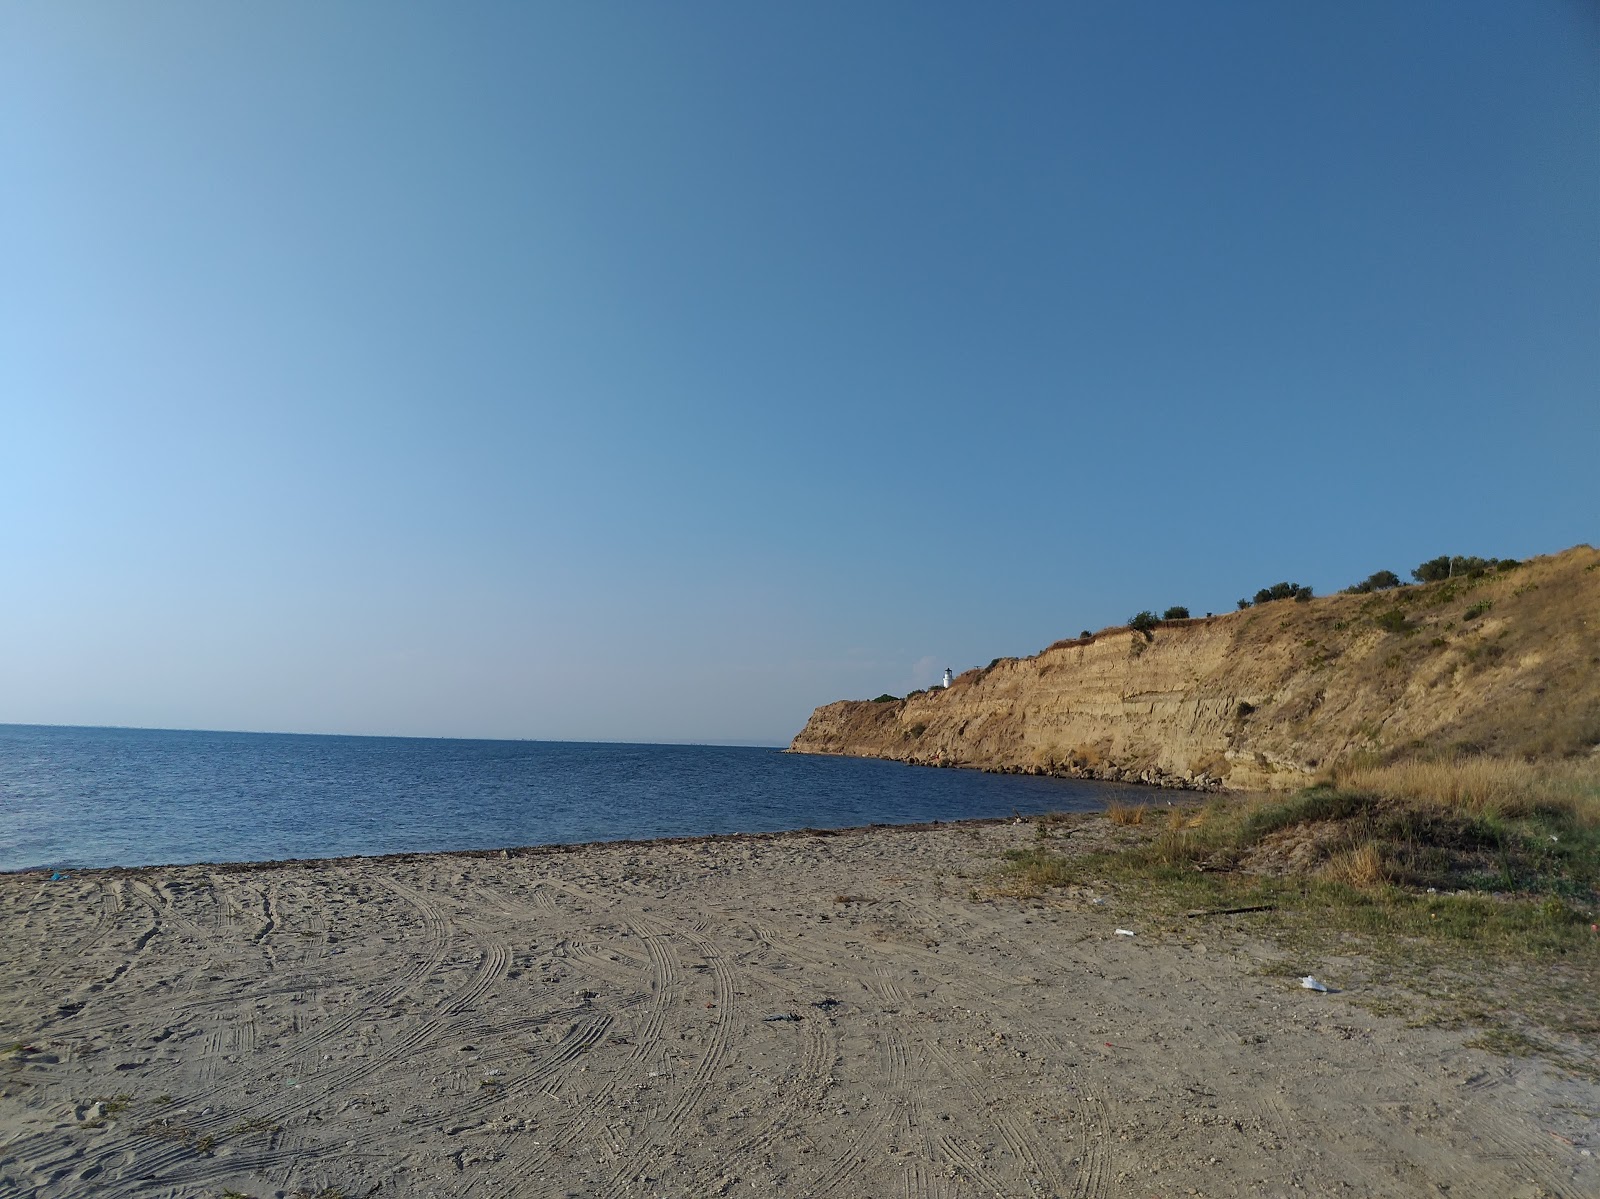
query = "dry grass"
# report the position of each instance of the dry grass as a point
(1362, 866)
(1503, 855)
(1484, 787)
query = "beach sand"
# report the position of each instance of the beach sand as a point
(849, 1014)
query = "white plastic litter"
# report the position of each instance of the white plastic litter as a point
(1311, 984)
(1124, 932)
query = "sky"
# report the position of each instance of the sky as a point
(641, 372)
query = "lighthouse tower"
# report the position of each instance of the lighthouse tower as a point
(947, 676)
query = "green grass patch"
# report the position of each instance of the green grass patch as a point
(1395, 621)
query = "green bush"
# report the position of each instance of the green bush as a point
(1176, 612)
(1243, 604)
(1460, 567)
(1143, 622)
(1394, 621)
(886, 698)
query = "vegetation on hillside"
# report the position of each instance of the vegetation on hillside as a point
(1446, 871)
(1475, 828)
(1436, 570)
(1278, 591)
(1490, 659)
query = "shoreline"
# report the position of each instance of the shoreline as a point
(532, 851)
(806, 1013)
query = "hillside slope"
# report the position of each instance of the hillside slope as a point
(1506, 664)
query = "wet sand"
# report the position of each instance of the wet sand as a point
(852, 1014)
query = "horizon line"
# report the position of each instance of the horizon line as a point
(137, 728)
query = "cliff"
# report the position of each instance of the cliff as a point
(1506, 664)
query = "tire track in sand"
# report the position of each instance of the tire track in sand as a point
(835, 1179)
(516, 1167)
(87, 995)
(322, 1085)
(578, 1041)
(156, 1156)
(669, 1129)
(1023, 1141)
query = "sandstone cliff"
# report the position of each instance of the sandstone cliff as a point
(1265, 698)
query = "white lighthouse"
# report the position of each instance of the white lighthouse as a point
(947, 676)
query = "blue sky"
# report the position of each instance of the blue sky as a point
(658, 372)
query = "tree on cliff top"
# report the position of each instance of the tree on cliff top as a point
(1459, 567)
(1381, 580)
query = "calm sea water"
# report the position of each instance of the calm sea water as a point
(126, 797)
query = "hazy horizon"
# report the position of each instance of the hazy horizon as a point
(594, 373)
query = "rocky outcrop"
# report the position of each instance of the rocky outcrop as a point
(1508, 663)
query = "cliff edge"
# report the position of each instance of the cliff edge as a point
(1506, 664)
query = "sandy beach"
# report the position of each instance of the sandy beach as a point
(853, 1014)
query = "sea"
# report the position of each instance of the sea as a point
(89, 797)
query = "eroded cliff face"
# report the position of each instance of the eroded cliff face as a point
(1268, 697)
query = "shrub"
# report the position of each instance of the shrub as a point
(1280, 591)
(1085, 635)
(1143, 622)
(1244, 709)
(1243, 604)
(1382, 580)
(1477, 610)
(886, 698)
(1176, 612)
